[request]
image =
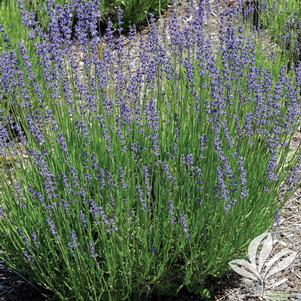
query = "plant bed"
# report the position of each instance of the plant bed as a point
(15, 287)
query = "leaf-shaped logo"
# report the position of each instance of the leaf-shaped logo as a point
(266, 241)
(279, 262)
(245, 269)
(259, 269)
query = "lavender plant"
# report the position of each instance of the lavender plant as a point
(283, 20)
(141, 174)
(135, 11)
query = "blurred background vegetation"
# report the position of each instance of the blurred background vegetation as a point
(134, 11)
(282, 19)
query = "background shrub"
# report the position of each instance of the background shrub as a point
(134, 11)
(283, 21)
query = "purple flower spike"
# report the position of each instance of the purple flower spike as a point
(184, 226)
(73, 244)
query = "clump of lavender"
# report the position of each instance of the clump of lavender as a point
(108, 144)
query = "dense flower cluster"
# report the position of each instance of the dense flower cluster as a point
(139, 163)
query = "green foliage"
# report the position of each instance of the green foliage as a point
(135, 11)
(282, 19)
(10, 19)
(104, 228)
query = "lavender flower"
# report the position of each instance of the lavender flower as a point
(4, 138)
(61, 141)
(47, 176)
(152, 120)
(74, 177)
(98, 212)
(189, 72)
(272, 164)
(243, 178)
(170, 208)
(147, 181)
(73, 244)
(17, 130)
(176, 36)
(184, 226)
(34, 238)
(94, 162)
(8, 71)
(105, 133)
(92, 251)
(121, 178)
(30, 73)
(203, 140)
(222, 185)
(52, 227)
(189, 162)
(101, 178)
(227, 134)
(35, 128)
(295, 173)
(167, 171)
(27, 250)
(248, 124)
(200, 181)
(140, 196)
(83, 219)
(66, 183)
(220, 153)
(66, 206)
(37, 196)
(27, 19)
